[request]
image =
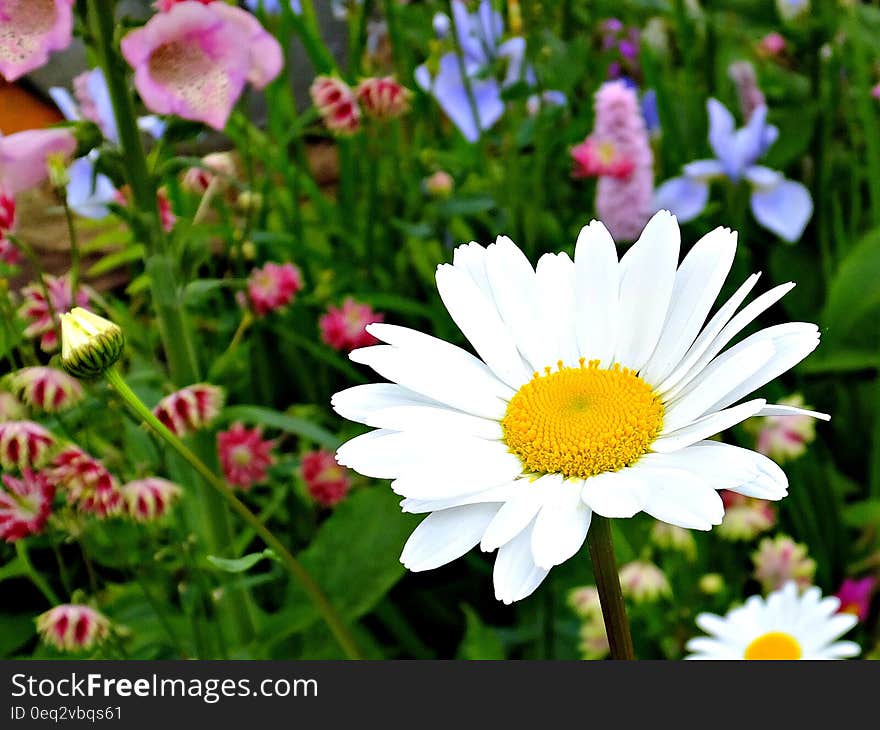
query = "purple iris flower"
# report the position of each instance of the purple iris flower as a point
(89, 192)
(782, 206)
(272, 7)
(479, 35)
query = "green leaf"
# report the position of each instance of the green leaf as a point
(15, 630)
(242, 564)
(13, 569)
(854, 293)
(273, 419)
(197, 290)
(480, 641)
(112, 261)
(862, 514)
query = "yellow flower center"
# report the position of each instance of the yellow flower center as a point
(582, 421)
(773, 645)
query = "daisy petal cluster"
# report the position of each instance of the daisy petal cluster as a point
(336, 102)
(23, 445)
(781, 560)
(273, 287)
(783, 626)
(73, 627)
(190, 409)
(597, 385)
(87, 483)
(38, 312)
(149, 499)
(345, 328)
(31, 30)
(244, 455)
(45, 388)
(326, 481)
(25, 504)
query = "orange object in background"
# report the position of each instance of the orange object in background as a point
(20, 109)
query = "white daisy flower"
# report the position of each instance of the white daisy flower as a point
(595, 388)
(784, 626)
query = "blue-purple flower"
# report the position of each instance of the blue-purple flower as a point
(782, 206)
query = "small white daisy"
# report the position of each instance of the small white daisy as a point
(784, 626)
(596, 387)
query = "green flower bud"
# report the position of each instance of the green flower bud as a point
(90, 344)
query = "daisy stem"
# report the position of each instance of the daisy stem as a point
(608, 583)
(328, 613)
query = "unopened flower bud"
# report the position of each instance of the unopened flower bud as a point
(89, 344)
(711, 583)
(56, 163)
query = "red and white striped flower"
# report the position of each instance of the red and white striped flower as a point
(190, 409)
(11, 409)
(25, 504)
(244, 455)
(73, 627)
(337, 105)
(37, 311)
(150, 499)
(23, 445)
(328, 482)
(90, 487)
(383, 97)
(46, 388)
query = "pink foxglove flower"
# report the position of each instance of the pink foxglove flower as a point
(45, 388)
(190, 409)
(150, 499)
(337, 105)
(24, 156)
(344, 328)
(745, 517)
(780, 560)
(37, 312)
(89, 486)
(383, 97)
(855, 596)
(195, 59)
(25, 504)
(163, 6)
(784, 438)
(23, 445)
(624, 204)
(327, 482)
(600, 159)
(29, 31)
(273, 287)
(244, 455)
(643, 582)
(11, 409)
(73, 627)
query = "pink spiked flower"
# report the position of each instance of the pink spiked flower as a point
(195, 59)
(383, 97)
(744, 517)
(46, 388)
(337, 105)
(190, 409)
(244, 455)
(217, 165)
(273, 287)
(344, 328)
(89, 486)
(9, 254)
(73, 627)
(327, 482)
(784, 438)
(624, 204)
(24, 156)
(166, 214)
(771, 44)
(25, 505)
(7, 213)
(780, 560)
(23, 445)
(150, 499)
(11, 408)
(855, 596)
(595, 159)
(29, 31)
(37, 312)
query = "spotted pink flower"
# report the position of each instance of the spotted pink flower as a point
(36, 311)
(273, 287)
(244, 455)
(149, 499)
(344, 328)
(73, 627)
(25, 504)
(23, 445)
(780, 560)
(624, 204)
(855, 596)
(45, 388)
(29, 31)
(599, 159)
(327, 482)
(88, 485)
(190, 409)
(383, 97)
(24, 155)
(337, 105)
(195, 59)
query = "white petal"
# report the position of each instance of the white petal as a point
(596, 293)
(707, 426)
(516, 575)
(555, 276)
(373, 454)
(561, 526)
(361, 401)
(471, 259)
(501, 493)
(679, 497)
(697, 283)
(647, 276)
(446, 535)
(777, 409)
(515, 515)
(613, 494)
(476, 316)
(435, 419)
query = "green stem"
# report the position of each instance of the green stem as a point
(74, 248)
(608, 583)
(34, 261)
(322, 604)
(35, 577)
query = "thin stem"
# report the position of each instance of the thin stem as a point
(608, 583)
(74, 248)
(322, 604)
(34, 261)
(36, 578)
